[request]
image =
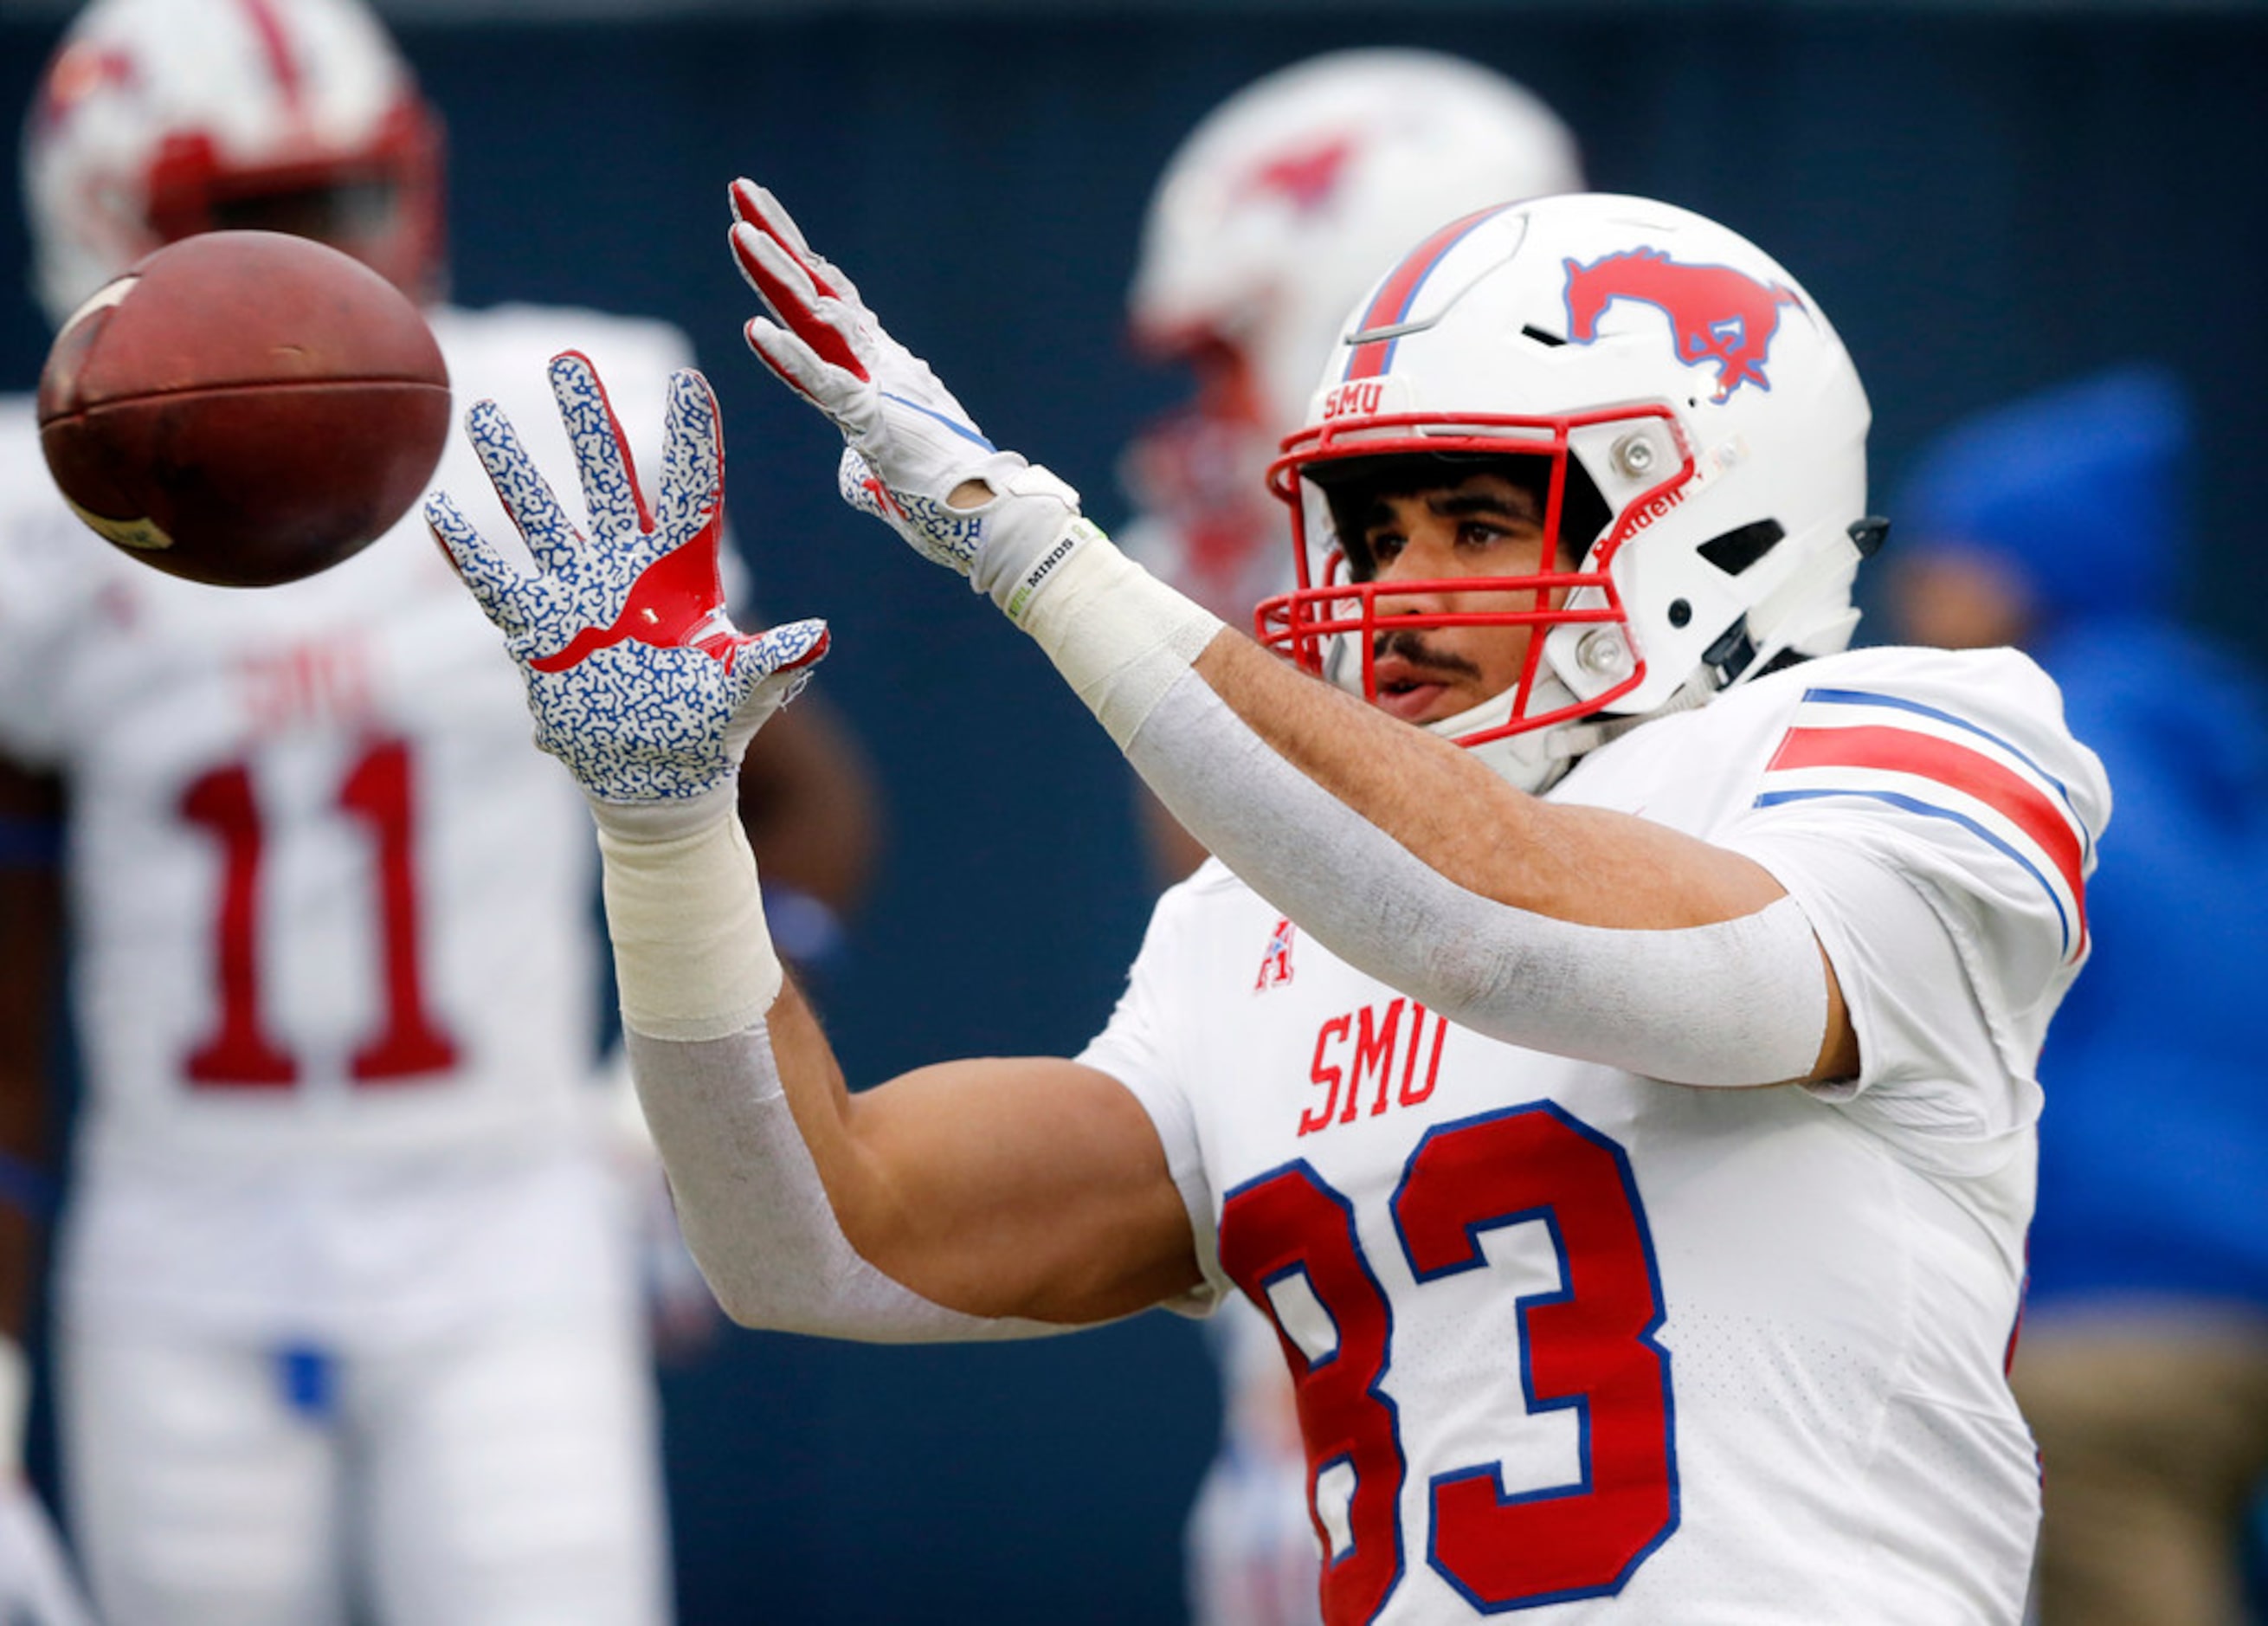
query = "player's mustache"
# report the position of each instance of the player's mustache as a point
(1410, 645)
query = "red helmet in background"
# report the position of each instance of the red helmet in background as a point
(159, 119)
(1271, 217)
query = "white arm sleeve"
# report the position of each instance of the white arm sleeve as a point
(697, 974)
(755, 1215)
(1742, 1001)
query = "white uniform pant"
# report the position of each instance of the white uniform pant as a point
(504, 1476)
(37, 1587)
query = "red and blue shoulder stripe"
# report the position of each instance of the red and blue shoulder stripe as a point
(1933, 763)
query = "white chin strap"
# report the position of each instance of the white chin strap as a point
(1536, 760)
(1532, 761)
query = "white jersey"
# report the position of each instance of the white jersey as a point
(1602, 1349)
(334, 958)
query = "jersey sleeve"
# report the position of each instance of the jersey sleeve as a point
(1136, 1048)
(1907, 790)
(47, 577)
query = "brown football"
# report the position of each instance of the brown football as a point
(244, 408)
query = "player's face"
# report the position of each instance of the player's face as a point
(1482, 525)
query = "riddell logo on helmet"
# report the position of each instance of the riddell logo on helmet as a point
(1715, 314)
(1358, 399)
(1655, 507)
(1707, 468)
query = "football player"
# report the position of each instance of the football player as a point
(37, 1583)
(1268, 220)
(1602, 1045)
(347, 1300)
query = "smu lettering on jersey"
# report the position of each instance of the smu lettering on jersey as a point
(1594, 1348)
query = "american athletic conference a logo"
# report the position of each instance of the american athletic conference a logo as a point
(1276, 958)
(1715, 314)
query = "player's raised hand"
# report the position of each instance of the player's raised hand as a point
(637, 679)
(914, 458)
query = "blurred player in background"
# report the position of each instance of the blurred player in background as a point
(1268, 223)
(37, 1587)
(348, 1308)
(2061, 523)
(1603, 1042)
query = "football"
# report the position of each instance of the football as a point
(244, 408)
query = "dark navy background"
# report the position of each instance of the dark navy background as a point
(1981, 203)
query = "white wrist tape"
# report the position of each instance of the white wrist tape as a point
(1029, 529)
(1119, 636)
(693, 958)
(755, 1214)
(1742, 1001)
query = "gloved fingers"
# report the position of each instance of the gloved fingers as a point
(757, 207)
(795, 296)
(764, 672)
(603, 452)
(858, 485)
(801, 369)
(770, 669)
(528, 498)
(494, 581)
(903, 377)
(692, 459)
(760, 207)
(795, 646)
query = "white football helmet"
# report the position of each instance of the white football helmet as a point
(159, 119)
(1700, 432)
(1273, 214)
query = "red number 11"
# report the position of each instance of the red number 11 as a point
(239, 1054)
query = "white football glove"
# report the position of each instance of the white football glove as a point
(910, 445)
(637, 679)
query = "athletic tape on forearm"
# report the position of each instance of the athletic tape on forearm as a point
(1742, 1001)
(1119, 636)
(755, 1214)
(693, 958)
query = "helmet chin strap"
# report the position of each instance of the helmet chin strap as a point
(1533, 761)
(1528, 761)
(1537, 760)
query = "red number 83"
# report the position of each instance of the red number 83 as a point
(1589, 1345)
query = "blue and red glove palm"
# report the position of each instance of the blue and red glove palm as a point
(636, 677)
